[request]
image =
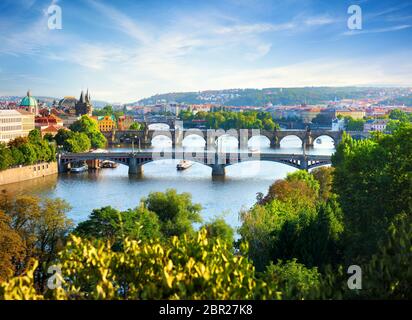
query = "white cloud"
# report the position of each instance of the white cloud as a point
(378, 30)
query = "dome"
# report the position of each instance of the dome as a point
(28, 101)
(68, 102)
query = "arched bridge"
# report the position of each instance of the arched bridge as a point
(218, 161)
(308, 137)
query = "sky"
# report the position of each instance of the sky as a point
(126, 50)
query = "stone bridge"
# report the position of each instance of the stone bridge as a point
(218, 161)
(145, 137)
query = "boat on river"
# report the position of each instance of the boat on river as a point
(109, 164)
(79, 168)
(183, 165)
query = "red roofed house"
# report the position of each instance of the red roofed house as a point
(50, 124)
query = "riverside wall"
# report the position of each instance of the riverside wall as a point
(24, 173)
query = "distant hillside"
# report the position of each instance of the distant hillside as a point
(276, 96)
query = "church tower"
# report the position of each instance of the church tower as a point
(84, 105)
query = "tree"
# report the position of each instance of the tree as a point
(90, 127)
(176, 212)
(110, 224)
(372, 179)
(78, 142)
(186, 268)
(298, 187)
(400, 115)
(63, 135)
(219, 229)
(354, 124)
(6, 159)
(135, 126)
(42, 226)
(11, 248)
(324, 175)
(293, 279)
(29, 154)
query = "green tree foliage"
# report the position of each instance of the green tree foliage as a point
(400, 115)
(108, 111)
(42, 227)
(233, 120)
(293, 221)
(354, 124)
(299, 187)
(387, 274)
(176, 212)
(312, 236)
(6, 157)
(219, 229)
(322, 118)
(110, 224)
(136, 126)
(324, 176)
(62, 135)
(396, 119)
(90, 127)
(373, 180)
(26, 151)
(11, 248)
(78, 142)
(293, 279)
(189, 268)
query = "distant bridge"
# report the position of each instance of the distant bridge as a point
(218, 161)
(145, 137)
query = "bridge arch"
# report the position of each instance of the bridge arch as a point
(293, 139)
(194, 133)
(260, 140)
(332, 139)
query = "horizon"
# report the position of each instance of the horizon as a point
(131, 51)
(209, 90)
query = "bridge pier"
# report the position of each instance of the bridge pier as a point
(275, 142)
(135, 167)
(218, 170)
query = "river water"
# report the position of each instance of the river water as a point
(218, 196)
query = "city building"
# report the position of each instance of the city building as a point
(124, 122)
(338, 124)
(68, 105)
(11, 124)
(29, 104)
(308, 114)
(42, 123)
(84, 105)
(67, 118)
(27, 122)
(353, 113)
(106, 123)
(375, 125)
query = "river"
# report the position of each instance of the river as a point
(218, 196)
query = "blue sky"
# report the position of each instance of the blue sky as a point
(125, 50)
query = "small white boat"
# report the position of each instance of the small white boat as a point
(254, 150)
(183, 165)
(79, 168)
(109, 164)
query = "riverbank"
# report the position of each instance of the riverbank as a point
(24, 173)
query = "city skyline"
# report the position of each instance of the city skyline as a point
(129, 51)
